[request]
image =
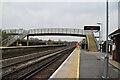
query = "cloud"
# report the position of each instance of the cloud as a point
(58, 0)
(29, 15)
(50, 14)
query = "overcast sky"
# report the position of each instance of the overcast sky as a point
(30, 15)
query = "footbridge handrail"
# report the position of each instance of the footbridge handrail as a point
(13, 38)
(47, 30)
(56, 30)
(6, 40)
(96, 42)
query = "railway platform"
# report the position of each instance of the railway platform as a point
(91, 67)
(84, 65)
(36, 46)
(70, 67)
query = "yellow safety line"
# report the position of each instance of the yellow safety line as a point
(78, 67)
(74, 68)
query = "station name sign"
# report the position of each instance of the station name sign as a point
(91, 27)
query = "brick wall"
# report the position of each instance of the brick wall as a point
(117, 52)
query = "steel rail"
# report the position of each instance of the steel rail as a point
(32, 73)
(35, 62)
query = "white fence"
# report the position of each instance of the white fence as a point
(46, 30)
(56, 30)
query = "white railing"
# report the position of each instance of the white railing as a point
(7, 40)
(46, 30)
(13, 38)
(96, 42)
(56, 30)
(15, 31)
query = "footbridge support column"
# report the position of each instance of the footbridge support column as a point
(27, 40)
(17, 43)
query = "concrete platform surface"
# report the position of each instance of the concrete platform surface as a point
(35, 46)
(91, 67)
(70, 67)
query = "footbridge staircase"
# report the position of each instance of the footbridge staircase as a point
(13, 38)
(91, 41)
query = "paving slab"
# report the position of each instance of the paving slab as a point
(91, 67)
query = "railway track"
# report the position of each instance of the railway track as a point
(10, 53)
(24, 58)
(35, 66)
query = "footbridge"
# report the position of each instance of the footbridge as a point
(17, 34)
(47, 31)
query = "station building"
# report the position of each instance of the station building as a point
(115, 36)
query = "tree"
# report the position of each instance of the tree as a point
(83, 41)
(3, 35)
(34, 39)
(49, 40)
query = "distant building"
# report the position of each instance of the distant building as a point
(115, 36)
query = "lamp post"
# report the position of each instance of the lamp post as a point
(106, 57)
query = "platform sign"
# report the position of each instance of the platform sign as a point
(91, 27)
